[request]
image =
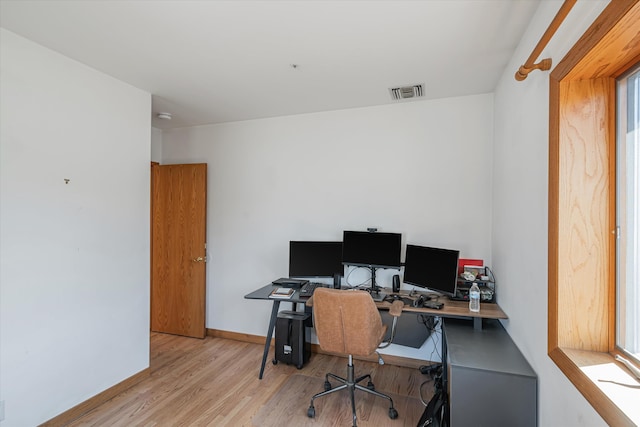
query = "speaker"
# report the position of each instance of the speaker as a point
(337, 278)
(396, 283)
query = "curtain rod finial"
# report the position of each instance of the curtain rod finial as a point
(523, 71)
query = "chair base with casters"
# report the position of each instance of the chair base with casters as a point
(352, 385)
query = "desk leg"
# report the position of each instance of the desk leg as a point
(267, 344)
(477, 323)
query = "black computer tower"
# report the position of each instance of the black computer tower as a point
(292, 347)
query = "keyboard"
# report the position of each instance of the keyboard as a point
(308, 288)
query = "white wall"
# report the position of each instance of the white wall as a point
(74, 265)
(520, 210)
(419, 168)
(156, 145)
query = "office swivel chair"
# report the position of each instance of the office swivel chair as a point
(348, 322)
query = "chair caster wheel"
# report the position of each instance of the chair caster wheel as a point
(370, 386)
(393, 414)
(327, 386)
(274, 361)
(299, 366)
(311, 412)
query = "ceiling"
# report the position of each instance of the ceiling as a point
(213, 61)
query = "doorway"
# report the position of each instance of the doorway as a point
(178, 249)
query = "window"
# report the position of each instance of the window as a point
(593, 315)
(628, 215)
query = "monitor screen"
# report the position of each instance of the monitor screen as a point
(433, 268)
(363, 248)
(315, 259)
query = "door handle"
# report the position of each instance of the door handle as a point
(199, 259)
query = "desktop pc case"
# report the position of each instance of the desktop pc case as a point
(292, 346)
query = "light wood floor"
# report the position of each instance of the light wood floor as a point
(214, 382)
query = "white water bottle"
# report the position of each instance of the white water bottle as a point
(474, 298)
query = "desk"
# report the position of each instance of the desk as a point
(263, 294)
(451, 309)
(457, 309)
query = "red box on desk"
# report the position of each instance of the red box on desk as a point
(463, 261)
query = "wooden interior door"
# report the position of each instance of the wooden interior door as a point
(178, 249)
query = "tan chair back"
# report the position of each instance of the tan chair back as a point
(347, 321)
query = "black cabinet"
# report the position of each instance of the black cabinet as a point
(489, 381)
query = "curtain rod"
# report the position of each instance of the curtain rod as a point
(544, 64)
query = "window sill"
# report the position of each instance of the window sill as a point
(610, 388)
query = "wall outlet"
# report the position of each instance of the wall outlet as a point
(1, 410)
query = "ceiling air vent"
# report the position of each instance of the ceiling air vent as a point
(405, 92)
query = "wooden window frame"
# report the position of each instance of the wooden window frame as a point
(582, 143)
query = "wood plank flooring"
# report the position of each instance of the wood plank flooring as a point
(214, 382)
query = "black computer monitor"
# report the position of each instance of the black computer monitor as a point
(371, 249)
(432, 268)
(315, 259)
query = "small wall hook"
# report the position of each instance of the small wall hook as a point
(66, 180)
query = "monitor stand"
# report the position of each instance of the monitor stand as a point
(375, 290)
(378, 296)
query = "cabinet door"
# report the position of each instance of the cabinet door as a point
(490, 382)
(490, 399)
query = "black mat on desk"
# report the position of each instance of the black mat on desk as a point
(410, 331)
